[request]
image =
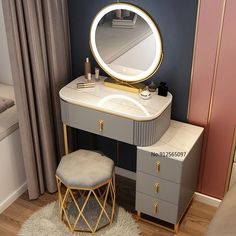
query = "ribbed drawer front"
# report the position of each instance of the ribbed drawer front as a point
(115, 127)
(165, 211)
(149, 132)
(168, 169)
(157, 187)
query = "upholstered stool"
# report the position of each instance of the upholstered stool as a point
(86, 181)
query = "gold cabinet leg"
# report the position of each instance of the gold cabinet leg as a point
(65, 139)
(176, 228)
(138, 215)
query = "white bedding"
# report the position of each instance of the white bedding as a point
(8, 118)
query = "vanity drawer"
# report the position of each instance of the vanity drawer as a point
(97, 122)
(162, 167)
(157, 208)
(157, 188)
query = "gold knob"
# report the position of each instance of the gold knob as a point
(157, 186)
(158, 166)
(101, 125)
(155, 208)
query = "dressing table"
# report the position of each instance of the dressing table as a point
(115, 114)
(168, 152)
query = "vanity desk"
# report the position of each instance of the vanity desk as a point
(115, 114)
(168, 151)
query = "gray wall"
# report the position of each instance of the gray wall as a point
(5, 69)
(176, 19)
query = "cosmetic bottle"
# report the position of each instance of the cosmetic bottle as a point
(118, 13)
(162, 89)
(96, 74)
(125, 14)
(89, 77)
(87, 68)
(145, 94)
(152, 87)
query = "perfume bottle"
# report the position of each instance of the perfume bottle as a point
(152, 87)
(145, 94)
(162, 89)
(87, 68)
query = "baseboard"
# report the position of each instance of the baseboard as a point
(125, 173)
(207, 199)
(10, 199)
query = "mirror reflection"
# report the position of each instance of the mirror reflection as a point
(125, 42)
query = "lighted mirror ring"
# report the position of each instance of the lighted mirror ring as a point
(156, 33)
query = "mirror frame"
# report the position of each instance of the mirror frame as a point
(158, 39)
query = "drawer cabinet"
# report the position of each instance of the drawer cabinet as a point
(162, 167)
(165, 184)
(156, 208)
(136, 132)
(97, 122)
(157, 187)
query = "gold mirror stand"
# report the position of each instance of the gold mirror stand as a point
(122, 85)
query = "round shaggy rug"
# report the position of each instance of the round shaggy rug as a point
(46, 222)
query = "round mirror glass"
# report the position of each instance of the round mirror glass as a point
(126, 42)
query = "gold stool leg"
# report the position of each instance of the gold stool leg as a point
(70, 196)
(113, 196)
(65, 139)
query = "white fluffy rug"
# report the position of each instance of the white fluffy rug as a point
(46, 222)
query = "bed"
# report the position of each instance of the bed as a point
(8, 118)
(12, 174)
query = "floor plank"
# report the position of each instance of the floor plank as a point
(194, 223)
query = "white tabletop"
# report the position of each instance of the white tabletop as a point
(114, 101)
(177, 141)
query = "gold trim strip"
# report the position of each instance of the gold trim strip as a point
(194, 57)
(231, 161)
(216, 62)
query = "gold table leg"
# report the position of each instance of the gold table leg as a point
(65, 139)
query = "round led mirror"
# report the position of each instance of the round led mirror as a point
(126, 43)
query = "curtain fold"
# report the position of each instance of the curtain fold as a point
(39, 47)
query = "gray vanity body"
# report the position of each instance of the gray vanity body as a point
(177, 177)
(139, 133)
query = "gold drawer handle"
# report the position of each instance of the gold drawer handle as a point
(156, 208)
(101, 125)
(157, 186)
(158, 166)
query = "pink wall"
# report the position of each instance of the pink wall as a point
(206, 46)
(217, 92)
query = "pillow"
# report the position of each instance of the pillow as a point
(5, 103)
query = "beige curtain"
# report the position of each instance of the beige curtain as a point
(38, 40)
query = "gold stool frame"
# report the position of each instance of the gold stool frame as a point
(69, 196)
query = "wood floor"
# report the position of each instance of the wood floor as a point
(194, 223)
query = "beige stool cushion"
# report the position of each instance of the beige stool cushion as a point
(84, 169)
